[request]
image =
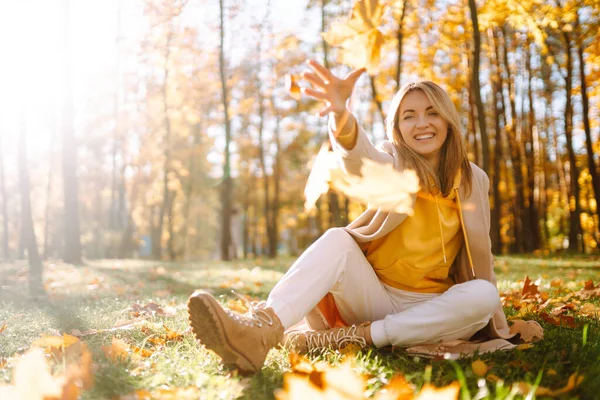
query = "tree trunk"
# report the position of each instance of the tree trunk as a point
(496, 78)
(400, 38)
(48, 193)
(72, 250)
(274, 237)
(532, 241)
(27, 230)
(5, 232)
(585, 102)
(574, 222)
(516, 159)
(157, 245)
(485, 147)
(227, 187)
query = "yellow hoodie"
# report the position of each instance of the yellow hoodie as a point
(417, 255)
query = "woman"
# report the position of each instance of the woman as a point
(387, 278)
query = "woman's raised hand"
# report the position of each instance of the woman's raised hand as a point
(328, 88)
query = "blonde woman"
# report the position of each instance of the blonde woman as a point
(387, 278)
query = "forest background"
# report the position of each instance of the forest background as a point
(175, 129)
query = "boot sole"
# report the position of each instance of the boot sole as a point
(212, 333)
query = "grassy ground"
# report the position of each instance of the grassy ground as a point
(100, 295)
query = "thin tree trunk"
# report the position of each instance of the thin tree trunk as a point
(157, 245)
(72, 250)
(532, 241)
(400, 38)
(498, 147)
(5, 233)
(585, 102)
(274, 238)
(227, 185)
(516, 159)
(48, 193)
(27, 229)
(115, 142)
(574, 222)
(485, 147)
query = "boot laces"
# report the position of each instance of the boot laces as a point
(256, 314)
(335, 338)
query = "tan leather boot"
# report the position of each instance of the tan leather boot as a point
(242, 341)
(335, 339)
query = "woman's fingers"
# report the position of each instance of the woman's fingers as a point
(314, 79)
(315, 93)
(320, 70)
(353, 76)
(325, 111)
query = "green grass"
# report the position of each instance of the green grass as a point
(98, 295)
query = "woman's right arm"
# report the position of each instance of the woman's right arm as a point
(347, 138)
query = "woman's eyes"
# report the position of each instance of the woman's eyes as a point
(432, 114)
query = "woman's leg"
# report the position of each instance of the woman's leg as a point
(457, 313)
(334, 263)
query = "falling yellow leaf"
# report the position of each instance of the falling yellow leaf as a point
(292, 87)
(359, 37)
(429, 392)
(479, 367)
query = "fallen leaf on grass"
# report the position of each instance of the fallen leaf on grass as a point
(186, 393)
(572, 383)
(590, 309)
(530, 331)
(530, 289)
(589, 285)
(56, 345)
(479, 368)
(430, 392)
(397, 389)
(525, 346)
(562, 320)
(117, 351)
(32, 379)
(151, 308)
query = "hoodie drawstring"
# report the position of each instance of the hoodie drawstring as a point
(462, 222)
(439, 213)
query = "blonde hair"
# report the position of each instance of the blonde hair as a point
(453, 154)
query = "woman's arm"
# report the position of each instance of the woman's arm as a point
(347, 138)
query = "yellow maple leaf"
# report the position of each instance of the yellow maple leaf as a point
(359, 37)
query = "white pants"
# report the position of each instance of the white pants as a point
(335, 263)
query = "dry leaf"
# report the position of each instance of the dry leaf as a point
(397, 389)
(359, 36)
(319, 177)
(117, 351)
(32, 379)
(572, 383)
(292, 87)
(530, 331)
(525, 346)
(530, 289)
(479, 368)
(379, 186)
(429, 392)
(590, 309)
(3, 327)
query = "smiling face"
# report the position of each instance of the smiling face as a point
(421, 126)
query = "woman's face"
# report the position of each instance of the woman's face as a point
(421, 127)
